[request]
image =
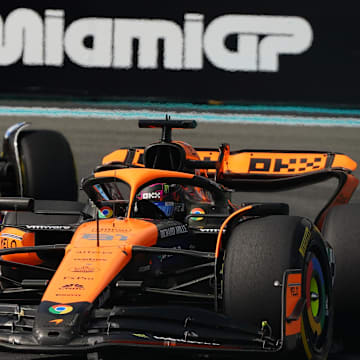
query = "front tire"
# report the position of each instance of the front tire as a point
(257, 254)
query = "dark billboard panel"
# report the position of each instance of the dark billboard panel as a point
(230, 53)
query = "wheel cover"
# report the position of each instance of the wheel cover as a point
(314, 297)
(314, 324)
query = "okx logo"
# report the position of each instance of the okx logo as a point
(96, 42)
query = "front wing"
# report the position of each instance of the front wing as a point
(179, 327)
(128, 327)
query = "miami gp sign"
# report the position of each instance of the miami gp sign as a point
(47, 40)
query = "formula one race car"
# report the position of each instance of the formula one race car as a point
(160, 257)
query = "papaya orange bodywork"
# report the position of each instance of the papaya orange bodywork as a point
(119, 156)
(136, 160)
(211, 155)
(293, 295)
(136, 177)
(87, 269)
(115, 156)
(343, 197)
(17, 238)
(343, 162)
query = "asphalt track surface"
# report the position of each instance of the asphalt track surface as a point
(91, 138)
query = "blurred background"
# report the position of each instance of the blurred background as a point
(254, 76)
(228, 52)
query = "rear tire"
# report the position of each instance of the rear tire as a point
(47, 166)
(257, 254)
(342, 230)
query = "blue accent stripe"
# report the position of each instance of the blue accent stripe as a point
(224, 107)
(231, 117)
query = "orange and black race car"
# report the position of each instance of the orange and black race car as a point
(161, 257)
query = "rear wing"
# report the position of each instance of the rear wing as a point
(229, 166)
(272, 164)
(258, 170)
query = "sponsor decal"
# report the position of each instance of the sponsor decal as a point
(56, 321)
(105, 212)
(300, 164)
(47, 39)
(110, 229)
(173, 230)
(8, 243)
(295, 290)
(105, 237)
(72, 287)
(92, 252)
(197, 211)
(141, 336)
(88, 268)
(305, 242)
(48, 227)
(185, 341)
(60, 309)
(154, 195)
(210, 230)
(11, 236)
(79, 278)
(90, 259)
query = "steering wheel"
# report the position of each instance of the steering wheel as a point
(147, 209)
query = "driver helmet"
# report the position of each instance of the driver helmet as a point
(166, 197)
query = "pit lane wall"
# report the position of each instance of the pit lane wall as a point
(223, 51)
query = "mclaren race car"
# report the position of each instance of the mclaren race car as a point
(161, 257)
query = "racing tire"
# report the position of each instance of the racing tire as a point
(47, 166)
(341, 229)
(257, 254)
